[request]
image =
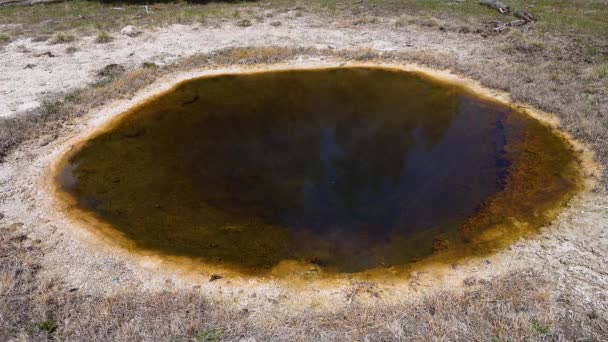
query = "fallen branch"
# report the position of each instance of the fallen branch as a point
(518, 22)
(497, 5)
(523, 16)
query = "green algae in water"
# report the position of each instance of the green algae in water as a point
(347, 168)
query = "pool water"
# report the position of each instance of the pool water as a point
(347, 168)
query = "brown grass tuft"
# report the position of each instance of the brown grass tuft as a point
(244, 23)
(61, 38)
(103, 37)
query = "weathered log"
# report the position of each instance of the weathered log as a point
(523, 15)
(497, 5)
(25, 2)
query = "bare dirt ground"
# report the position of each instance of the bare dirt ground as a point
(572, 251)
(25, 62)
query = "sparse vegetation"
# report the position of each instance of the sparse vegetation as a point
(244, 23)
(40, 38)
(211, 335)
(116, 82)
(103, 37)
(4, 38)
(149, 65)
(556, 16)
(61, 38)
(539, 328)
(49, 326)
(601, 71)
(519, 306)
(420, 21)
(71, 49)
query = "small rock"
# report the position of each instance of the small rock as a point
(130, 31)
(215, 277)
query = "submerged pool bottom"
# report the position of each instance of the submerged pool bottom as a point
(348, 168)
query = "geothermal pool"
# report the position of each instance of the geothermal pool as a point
(349, 169)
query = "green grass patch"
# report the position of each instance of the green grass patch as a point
(210, 335)
(49, 326)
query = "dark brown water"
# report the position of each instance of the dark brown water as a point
(349, 169)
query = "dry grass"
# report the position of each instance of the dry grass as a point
(419, 21)
(71, 49)
(61, 38)
(558, 76)
(58, 109)
(103, 37)
(520, 306)
(600, 71)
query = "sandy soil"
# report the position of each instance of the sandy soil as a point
(574, 248)
(31, 75)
